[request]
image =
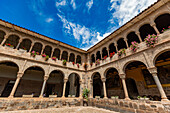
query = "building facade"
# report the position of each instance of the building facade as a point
(31, 63)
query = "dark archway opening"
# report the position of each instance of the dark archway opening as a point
(97, 85)
(93, 58)
(104, 52)
(64, 56)
(56, 53)
(13, 40)
(37, 47)
(145, 30)
(47, 50)
(112, 48)
(78, 60)
(2, 34)
(72, 58)
(98, 56)
(121, 44)
(132, 37)
(162, 21)
(25, 44)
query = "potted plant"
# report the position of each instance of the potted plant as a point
(111, 54)
(145, 98)
(105, 57)
(121, 51)
(34, 53)
(85, 66)
(64, 62)
(73, 63)
(78, 65)
(91, 64)
(86, 93)
(138, 97)
(116, 97)
(97, 62)
(151, 40)
(163, 30)
(43, 55)
(9, 45)
(46, 58)
(54, 58)
(134, 46)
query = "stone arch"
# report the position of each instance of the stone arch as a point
(72, 57)
(159, 52)
(158, 13)
(2, 35)
(108, 69)
(57, 53)
(35, 65)
(48, 50)
(14, 33)
(57, 70)
(25, 44)
(64, 55)
(13, 40)
(4, 30)
(132, 37)
(112, 48)
(94, 74)
(130, 61)
(37, 47)
(121, 44)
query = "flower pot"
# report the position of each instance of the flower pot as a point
(73, 95)
(69, 95)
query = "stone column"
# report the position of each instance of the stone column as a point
(153, 71)
(126, 42)
(31, 47)
(52, 52)
(101, 54)
(4, 40)
(104, 87)
(155, 28)
(91, 88)
(15, 85)
(80, 95)
(18, 44)
(116, 47)
(138, 34)
(42, 49)
(122, 76)
(61, 52)
(44, 84)
(64, 88)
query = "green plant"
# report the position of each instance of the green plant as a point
(121, 51)
(46, 58)
(64, 62)
(139, 97)
(86, 93)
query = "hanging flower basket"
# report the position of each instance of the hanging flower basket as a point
(64, 62)
(134, 46)
(151, 40)
(121, 51)
(111, 54)
(54, 58)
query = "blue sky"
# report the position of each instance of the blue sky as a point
(80, 23)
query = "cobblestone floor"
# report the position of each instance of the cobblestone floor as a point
(65, 110)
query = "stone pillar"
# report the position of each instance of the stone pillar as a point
(122, 76)
(61, 52)
(42, 50)
(116, 47)
(80, 95)
(91, 88)
(15, 85)
(101, 54)
(18, 44)
(4, 40)
(52, 52)
(153, 71)
(155, 28)
(43, 87)
(126, 42)
(104, 87)
(138, 34)
(64, 88)
(31, 47)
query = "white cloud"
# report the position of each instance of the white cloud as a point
(127, 9)
(81, 33)
(89, 4)
(48, 20)
(61, 3)
(73, 4)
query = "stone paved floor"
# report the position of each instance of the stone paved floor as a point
(65, 110)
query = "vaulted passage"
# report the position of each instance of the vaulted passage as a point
(97, 85)
(7, 78)
(31, 82)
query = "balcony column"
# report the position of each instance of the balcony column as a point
(107, 49)
(122, 76)
(18, 44)
(91, 88)
(153, 71)
(52, 52)
(138, 34)
(116, 47)
(155, 28)
(61, 52)
(44, 84)
(101, 54)
(32, 44)
(4, 40)
(64, 87)
(125, 39)
(19, 75)
(68, 57)
(104, 88)
(42, 50)
(80, 95)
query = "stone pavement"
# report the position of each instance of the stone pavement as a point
(64, 110)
